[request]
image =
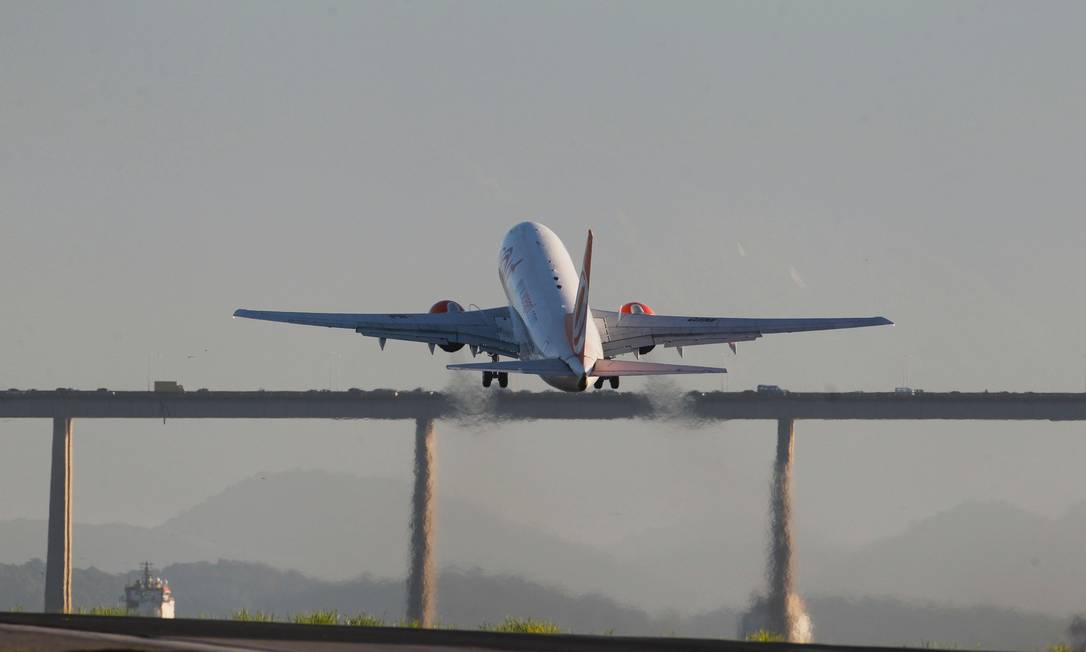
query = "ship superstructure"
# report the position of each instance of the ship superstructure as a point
(149, 595)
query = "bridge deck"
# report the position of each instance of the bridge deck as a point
(502, 405)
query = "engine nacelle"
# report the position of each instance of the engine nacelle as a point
(448, 305)
(636, 308)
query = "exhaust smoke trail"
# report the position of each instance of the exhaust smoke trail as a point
(670, 401)
(422, 581)
(781, 611)
(474, 403)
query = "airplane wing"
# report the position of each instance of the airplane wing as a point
(488, 330)
(635, 331)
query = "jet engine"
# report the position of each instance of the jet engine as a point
(448, 305)
(637, 308)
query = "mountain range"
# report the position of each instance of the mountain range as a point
(471, 599)
(975, 553)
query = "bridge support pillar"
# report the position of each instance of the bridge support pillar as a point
(58, 560)
(422, 580)
(782, 615)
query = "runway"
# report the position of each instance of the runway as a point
(57, 633)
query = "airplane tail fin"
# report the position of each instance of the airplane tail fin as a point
(578, 326)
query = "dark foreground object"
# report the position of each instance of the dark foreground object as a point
(54, 632)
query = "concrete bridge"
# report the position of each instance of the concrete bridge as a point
(503, 405)
(424, 407)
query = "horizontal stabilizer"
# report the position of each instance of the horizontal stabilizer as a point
(549, 367)
(605, 368)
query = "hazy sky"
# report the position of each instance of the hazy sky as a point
(162, 164)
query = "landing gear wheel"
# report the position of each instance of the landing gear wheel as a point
(614, 382)
(599, 383)
(503, 379)
(488, 377)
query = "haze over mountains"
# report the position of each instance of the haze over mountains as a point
(350, 526)
(976, 553)
(469, 599)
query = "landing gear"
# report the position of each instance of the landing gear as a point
(501, 376)
(602, 379)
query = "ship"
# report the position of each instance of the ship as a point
(149, 595)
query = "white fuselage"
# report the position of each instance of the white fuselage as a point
(540, 282)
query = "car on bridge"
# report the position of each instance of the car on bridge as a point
(771, 390)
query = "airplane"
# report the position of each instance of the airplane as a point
(548, 328)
